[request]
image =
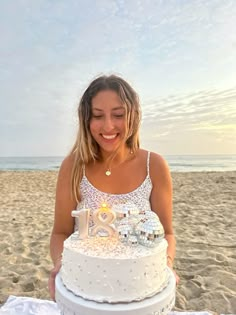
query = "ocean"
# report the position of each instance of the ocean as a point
(177, 163)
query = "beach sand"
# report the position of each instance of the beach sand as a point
(204, 218)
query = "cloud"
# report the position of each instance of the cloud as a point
(208, 114)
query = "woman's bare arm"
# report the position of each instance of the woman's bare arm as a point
(161, 200)
(65, 203)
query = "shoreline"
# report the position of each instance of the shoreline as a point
(204, 222)
(55, 170)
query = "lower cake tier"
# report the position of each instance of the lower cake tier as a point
(159, 304)
(106, 270)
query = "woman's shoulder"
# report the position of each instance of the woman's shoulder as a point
(158, 160)
(155, 158)
(158, 166)
(67, 166)
(67, 163)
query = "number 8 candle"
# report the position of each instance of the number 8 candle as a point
(103, 219)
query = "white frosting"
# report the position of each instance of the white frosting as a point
(159, 304)
(106, 270)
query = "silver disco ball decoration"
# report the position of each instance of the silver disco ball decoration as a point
(121, 211)
(124, 231)
(147, 214)
(133, 221)
(125, 210)
(131, 208)
(133, 240)
(149, 230)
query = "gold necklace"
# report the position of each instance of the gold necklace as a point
(108, 171)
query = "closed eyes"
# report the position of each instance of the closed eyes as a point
(101, 116)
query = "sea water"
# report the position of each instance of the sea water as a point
(177, 163)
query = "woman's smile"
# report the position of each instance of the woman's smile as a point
(109, 137)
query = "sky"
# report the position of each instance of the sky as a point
(180, 57)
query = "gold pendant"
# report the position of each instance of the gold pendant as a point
(108, 173)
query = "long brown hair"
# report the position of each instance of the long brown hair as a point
(86, 148)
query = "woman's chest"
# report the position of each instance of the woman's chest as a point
(93, 198)
(118, 181)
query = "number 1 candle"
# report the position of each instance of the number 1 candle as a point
(83, 218)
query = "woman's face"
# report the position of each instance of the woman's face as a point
(108, 121)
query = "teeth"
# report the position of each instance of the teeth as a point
(109, 137)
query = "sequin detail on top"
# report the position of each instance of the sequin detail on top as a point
(93, 198)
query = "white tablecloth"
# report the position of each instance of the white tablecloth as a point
(31, 306)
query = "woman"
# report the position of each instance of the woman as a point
(106, 164)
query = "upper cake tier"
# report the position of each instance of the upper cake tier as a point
(106, 270)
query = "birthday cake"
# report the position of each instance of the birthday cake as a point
(118, 266)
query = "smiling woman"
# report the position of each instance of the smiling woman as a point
(108, 123)
(107, 165)
(109, 119)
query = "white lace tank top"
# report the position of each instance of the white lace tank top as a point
(92, 198)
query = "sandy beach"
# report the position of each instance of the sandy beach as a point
(205, 226)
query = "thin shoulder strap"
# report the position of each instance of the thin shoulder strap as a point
(83, 168)
(148, 162)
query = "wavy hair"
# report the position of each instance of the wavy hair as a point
(86, 148)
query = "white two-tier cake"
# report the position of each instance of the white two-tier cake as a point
(122, 272)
